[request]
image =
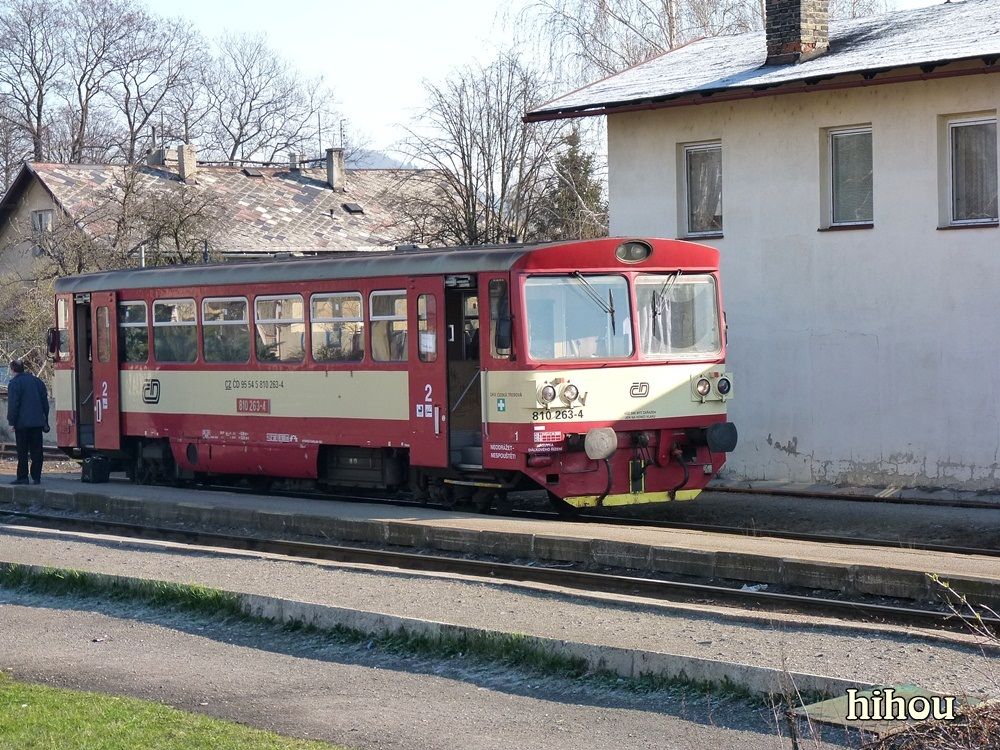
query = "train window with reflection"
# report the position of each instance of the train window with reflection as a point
(133, 333)
(427, 322)
(225, 328)
(338, 327)
(678, 315)
(281, 328)
(578, 317)
(388, 317)
(62, 324)
(175, 330)
(103, 334)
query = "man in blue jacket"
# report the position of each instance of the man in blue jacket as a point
(28, 414)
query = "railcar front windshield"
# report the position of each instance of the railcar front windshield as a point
(578, 317)
(678, 316)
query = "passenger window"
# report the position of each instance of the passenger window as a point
(226, 329)
(338, 327)
(281, 328)
(470, 327)
(103, 334)
(388, 317)
(427, 324)
(133, 333)
(62, 324)
(499, 316)
(175, 330)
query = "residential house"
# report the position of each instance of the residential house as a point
(847, 171)
(301, 208)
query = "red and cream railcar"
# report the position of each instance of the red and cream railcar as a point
(594, 370)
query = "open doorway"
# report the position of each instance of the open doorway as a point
(84, 405)
(465, 417)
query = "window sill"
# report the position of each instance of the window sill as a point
(845, 227)
(978, 225)
(704, 236)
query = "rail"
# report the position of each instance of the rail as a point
(582, 581)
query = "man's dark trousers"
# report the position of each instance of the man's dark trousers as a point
(29, 442)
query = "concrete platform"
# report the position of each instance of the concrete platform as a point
(852, 570)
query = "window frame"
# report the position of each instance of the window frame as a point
(831, 186)
(373, 319)
(122, 323)
(951, 123)
(304, 320)
(359, 319)
(685, 188)
(205, 323)
(45, 217)
(175, 324)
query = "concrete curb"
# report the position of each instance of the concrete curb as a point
(852, 580)
(624, 662)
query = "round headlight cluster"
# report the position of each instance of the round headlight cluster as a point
(703, 387)
(724, 386)
(570, 393)
(547, 394)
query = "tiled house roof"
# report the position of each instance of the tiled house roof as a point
(711, 69)
(276, 210)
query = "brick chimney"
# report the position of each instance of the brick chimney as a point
(187, 165)
(797, 30)
(336, 172)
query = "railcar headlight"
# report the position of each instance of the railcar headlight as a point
(724, 386)
(547, 394)
(570, 393)
(703, 387)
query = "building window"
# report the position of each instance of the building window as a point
(338, 328)
(388, 317)
(225, 326)
(703, 188)
(281, 328)
(851, 183)
(972, 170)
(133, 335)
(41, 221)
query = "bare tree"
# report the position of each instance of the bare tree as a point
(592, 38)
(155, 61)
(32, 60)
(260, 106)
(495, 168)
(98, 30)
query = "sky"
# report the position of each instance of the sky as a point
(374, 54)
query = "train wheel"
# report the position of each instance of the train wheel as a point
(564, 509)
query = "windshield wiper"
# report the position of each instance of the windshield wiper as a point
(608, 307)
(660, 300)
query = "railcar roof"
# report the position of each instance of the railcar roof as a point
(340, 265)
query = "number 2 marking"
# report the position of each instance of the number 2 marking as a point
(428, 393)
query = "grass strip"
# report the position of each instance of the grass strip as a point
(36, 717)
(509, 650)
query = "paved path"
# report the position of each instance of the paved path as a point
(297, 685)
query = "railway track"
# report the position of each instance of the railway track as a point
(566, 578)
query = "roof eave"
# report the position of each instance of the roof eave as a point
(826, 82)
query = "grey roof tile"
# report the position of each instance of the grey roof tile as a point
(307, 211)
(942, 33)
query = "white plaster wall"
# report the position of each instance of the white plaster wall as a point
(868, 356)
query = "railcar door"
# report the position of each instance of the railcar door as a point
(107, 413)
(428, 373)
